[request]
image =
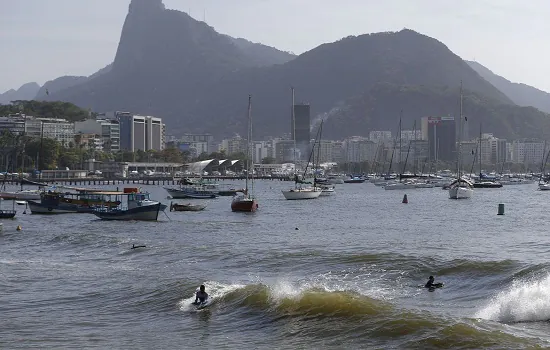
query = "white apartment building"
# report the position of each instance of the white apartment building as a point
(358, 149)
(57, 129)
(139, 132)
(528, 151)
(380, 136)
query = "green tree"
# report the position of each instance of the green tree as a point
(171, 155)
(47, 151)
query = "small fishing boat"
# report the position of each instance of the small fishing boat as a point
(187, 207)
(53, 202)
(138, 207)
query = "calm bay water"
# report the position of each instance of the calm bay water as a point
(340, 271)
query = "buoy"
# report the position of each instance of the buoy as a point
(500, 209)
(18, 228)
(296, 228)
(405, 200)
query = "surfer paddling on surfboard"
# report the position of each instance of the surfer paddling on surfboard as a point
(431, 285)
(201, 296)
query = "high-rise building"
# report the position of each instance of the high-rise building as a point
(528, 151)
(233, 145)
(284, 151)
(441, 135)
(208, 138)
(493, 150)
(139, 132)
(57, 129)
(107, 129)
(358, 149)
(301, 129)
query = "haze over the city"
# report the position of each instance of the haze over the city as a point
(43, 40)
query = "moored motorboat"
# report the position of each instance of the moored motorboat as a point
(139, 207)
(327, 190)
(145, 213)
(187, 207)
(193, 192)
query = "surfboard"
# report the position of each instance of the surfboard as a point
(200, 306)
(435, 286)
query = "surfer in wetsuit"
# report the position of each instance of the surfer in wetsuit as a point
(430, 283)
(201, 295)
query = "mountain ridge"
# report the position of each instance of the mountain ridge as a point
(521, 94)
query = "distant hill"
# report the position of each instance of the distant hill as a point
(25, 92)
(379, 109)
(170, 65)
(262, 55)
(59, 84)
(520, 94)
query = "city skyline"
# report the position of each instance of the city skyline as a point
(87, 38)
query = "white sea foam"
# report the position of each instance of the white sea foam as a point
(524, 301)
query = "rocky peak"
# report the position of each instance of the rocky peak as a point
(146, 6)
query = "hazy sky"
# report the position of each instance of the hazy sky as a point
(44, 39)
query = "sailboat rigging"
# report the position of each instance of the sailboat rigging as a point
(299, 192)
(460, 188)
(246, 202)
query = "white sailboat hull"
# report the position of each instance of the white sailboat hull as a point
(460, 192)
(302, 193)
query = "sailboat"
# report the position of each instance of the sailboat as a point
(299, 192)
(408, 183)
(246, 202)
(460, 188)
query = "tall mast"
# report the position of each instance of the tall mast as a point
(480, 151)
(459, 136)
(294, 136)
(248, 145)
(400, 117)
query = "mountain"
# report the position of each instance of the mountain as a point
(166, 64)
(262, 55)
(379, 109)
(66, 82)
(170, 65)
(329, 74)
(520, 94)
(59, 84)
(25, 92)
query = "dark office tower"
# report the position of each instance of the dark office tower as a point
(302, 130)
(441, 132)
